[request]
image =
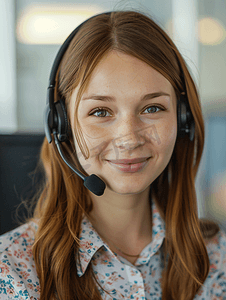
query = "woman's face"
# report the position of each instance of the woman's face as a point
(129, 122)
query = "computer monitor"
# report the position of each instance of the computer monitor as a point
(19, 155)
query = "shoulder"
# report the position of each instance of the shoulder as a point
(215, 241)
(215, 283)
(25, 233)
(18, 277)
(216, 248)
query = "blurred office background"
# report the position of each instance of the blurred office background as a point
(31, 34)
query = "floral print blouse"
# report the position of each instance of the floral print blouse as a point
(18, 277)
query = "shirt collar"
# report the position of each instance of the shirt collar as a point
(91, 242)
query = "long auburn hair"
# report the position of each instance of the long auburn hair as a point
(64, 199)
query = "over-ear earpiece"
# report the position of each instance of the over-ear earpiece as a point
(62, 121)
(185, 120)
(56, 119)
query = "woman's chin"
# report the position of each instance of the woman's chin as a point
(126, 189)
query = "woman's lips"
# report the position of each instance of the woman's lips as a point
(129, 165)
(129, 161)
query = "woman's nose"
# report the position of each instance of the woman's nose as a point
(130, 136)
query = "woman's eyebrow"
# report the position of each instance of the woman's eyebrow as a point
(112, 99)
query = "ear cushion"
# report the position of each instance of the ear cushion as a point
(181, 118)
(185, 121)
(62, 121)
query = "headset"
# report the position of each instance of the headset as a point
(56, 122)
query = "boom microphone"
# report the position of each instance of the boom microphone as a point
(92, 182)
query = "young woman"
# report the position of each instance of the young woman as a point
(135, 122)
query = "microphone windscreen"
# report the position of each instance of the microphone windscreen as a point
(95, 184)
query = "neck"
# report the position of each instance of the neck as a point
(124, 220)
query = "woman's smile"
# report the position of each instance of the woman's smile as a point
(129, 165)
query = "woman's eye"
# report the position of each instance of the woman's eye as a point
(152, 109)
(100, 112)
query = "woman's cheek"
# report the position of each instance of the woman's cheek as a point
(167, 136)
(94, 131)
(97, 147)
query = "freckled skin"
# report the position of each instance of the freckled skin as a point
(128, 130)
